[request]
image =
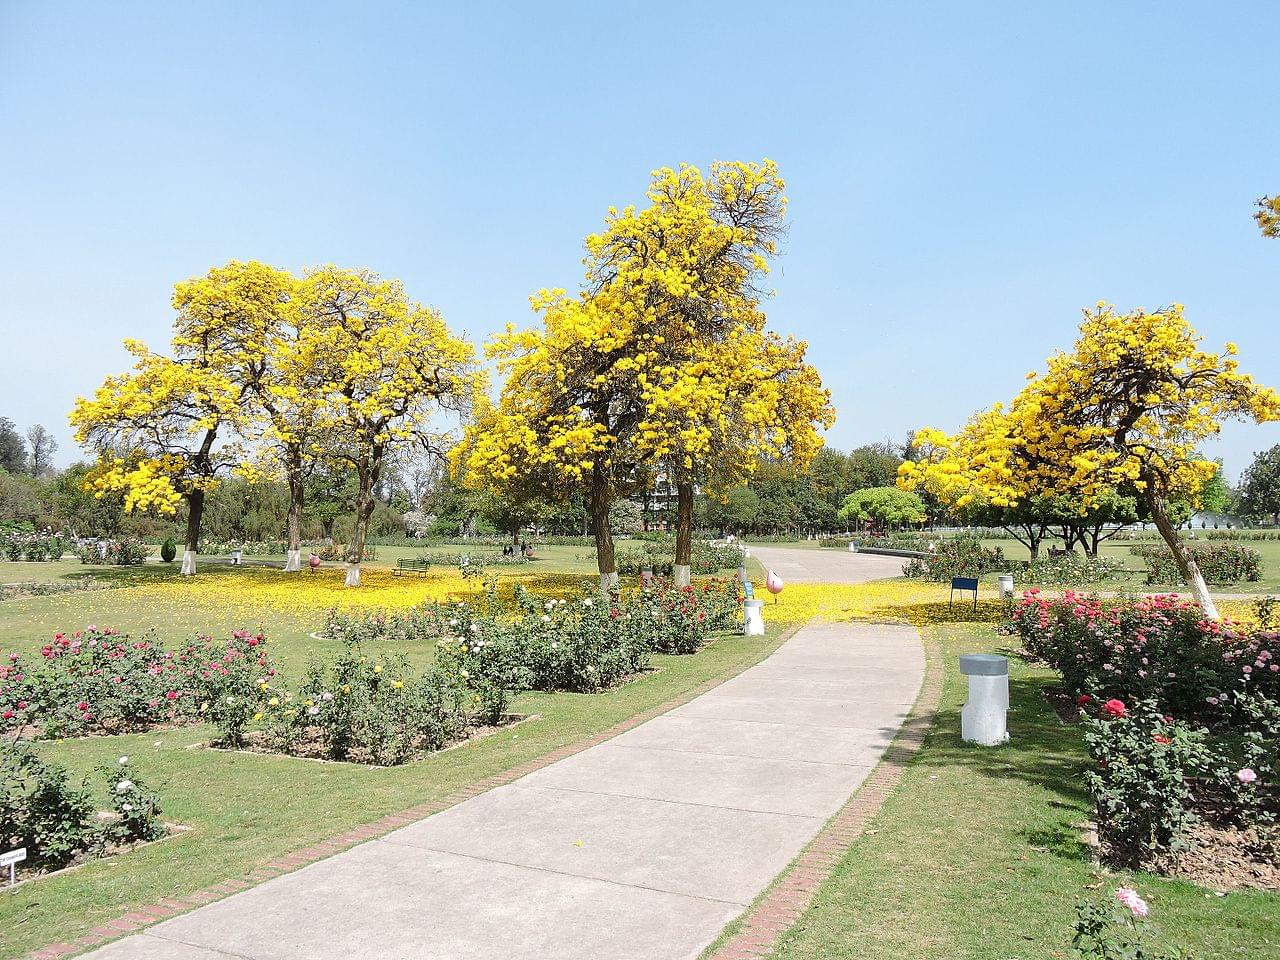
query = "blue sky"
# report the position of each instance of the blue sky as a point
(964, 177)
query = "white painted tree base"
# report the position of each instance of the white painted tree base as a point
(682, 573)
(608, 582)
(294, 563)
(353, 575)
(188, 563)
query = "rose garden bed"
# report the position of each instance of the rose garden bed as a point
(1181, 716)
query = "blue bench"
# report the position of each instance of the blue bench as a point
(964, 583)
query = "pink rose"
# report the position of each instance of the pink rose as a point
(1114, 708)
(1129, 897)
(1246, 776)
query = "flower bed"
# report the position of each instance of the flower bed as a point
(57, 820)
(659, 556)
(124, 552)
(1182, 718)
(587, 644)
(1070, 569)
(1159, 648)
(1218, 562)
(32, 545)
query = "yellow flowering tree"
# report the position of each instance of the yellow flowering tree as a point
(389, 366)
(1268, 216)
(158, 432)
(711, 421)
(660, 364)
(718, 392)
(1128, 408)
(246, 316)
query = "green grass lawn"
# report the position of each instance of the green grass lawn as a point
(978, 853)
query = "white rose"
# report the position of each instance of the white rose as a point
(122, 761)
(124, 786)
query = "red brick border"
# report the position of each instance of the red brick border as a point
(154, 912)
(760, 928)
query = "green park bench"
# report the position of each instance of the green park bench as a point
(411, 565)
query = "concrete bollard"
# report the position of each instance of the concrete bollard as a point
(983, 719)
(1006, 586)
(853, 546)
(752, 618)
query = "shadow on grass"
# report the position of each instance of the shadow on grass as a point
(941, 612)
(1042, 752)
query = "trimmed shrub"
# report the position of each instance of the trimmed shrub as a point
(960, 557)
(1219, 563)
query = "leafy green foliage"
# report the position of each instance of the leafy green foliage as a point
(884, 506)
(1218, 562)
(1140, 786)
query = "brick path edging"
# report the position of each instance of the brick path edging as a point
(763, 925)
(150, 913)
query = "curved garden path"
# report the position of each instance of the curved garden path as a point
(802, 565)
(644, 846)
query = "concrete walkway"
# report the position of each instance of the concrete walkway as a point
(826, 565)
(642, 847)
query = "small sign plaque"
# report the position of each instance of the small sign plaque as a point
(11, 860)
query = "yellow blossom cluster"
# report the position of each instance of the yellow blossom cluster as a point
(1129, 407)
(661, 364)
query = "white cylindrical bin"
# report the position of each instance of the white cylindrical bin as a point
(752, 618)
(982, 720)
(1006, 586)
(235, 557)
(853, 546)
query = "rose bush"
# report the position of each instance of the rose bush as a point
(56, 819)
(1218, 562)
(1144, 760)
(1159, 648)
(962, 556)
(91, 681)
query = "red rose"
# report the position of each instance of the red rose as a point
(82, 706)
(1165, 741)
(8, 714)
(1083, 700)
(1114, 708)
(1168, 719)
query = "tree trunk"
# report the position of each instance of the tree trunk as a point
(364, 511)
(1091, 546)
(293, 523)
(684, 534)
(599, 507)
(1182, 557)
(195, 511)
